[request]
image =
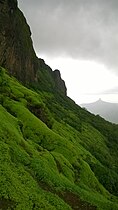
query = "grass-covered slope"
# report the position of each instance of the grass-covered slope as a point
(53, 154)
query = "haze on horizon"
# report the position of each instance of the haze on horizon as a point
(79, 38)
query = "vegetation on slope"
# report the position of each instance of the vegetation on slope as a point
(53, 154)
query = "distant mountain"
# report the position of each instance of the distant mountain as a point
(107, 110)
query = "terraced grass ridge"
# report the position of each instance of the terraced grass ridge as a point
(54, 155)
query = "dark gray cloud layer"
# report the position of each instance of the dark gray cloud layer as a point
(85, 29)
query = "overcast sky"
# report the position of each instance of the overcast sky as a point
(81, 38)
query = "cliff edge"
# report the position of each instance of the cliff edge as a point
(17, 53)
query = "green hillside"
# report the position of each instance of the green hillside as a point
(54, 154)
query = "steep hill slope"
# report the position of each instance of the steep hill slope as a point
(54, 155)
(105, 109)
(53, 160)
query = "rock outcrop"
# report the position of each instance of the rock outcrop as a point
(17, 53)
(59, 83)
(50, 80)
(16, 50)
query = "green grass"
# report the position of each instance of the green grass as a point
(49, 150)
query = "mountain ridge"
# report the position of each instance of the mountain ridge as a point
(105, 109)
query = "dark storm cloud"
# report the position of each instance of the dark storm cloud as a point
(85, 29)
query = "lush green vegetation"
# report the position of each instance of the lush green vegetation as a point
(53, 154)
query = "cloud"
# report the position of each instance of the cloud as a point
(111, 91)
(76, 28)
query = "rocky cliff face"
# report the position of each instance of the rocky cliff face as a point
(50, 80)
(16, 50)
(17, 53)
(60, 84)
